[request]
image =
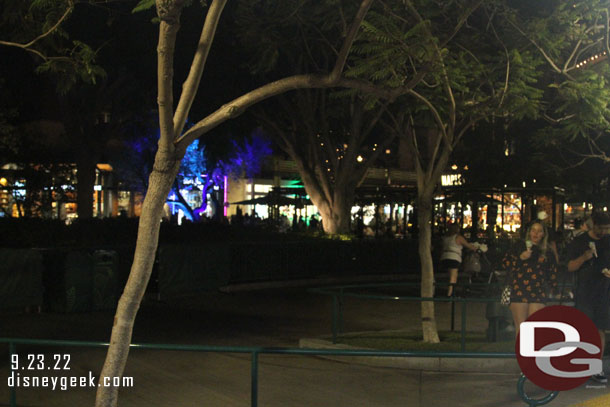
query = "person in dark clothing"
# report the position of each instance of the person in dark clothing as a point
(589, 257)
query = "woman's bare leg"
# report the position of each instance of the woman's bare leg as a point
(519, 311)
(452, 280)
(533, 307)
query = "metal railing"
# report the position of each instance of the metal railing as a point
(338, 294)
(253, 351)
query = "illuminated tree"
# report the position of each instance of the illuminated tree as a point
(201, 171)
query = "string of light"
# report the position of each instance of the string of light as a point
(595, 58)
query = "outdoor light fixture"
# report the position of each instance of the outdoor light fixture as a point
(388, 151)
(454, 167)
(104, 167)
(359, 158)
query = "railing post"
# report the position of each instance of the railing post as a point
(340, 325)
(335, 311)
(12, 350)
(452, 313)
(463, 333)
(254, 380)
(337, 314)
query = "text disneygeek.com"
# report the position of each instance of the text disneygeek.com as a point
(66, 382)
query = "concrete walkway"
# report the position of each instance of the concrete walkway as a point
(261, 318)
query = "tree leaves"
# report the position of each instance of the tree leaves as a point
(143, 5)
(36, 26)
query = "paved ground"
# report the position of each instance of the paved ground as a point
(262, 318)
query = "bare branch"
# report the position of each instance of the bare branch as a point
(540, 49)
(557, 121)
(607, 31)
(505, 90)
(452, 105)
(238, 105)
(191, 84)
(69, 10)
(462, 21)
(437, 118)
(349, 40)
(28, 46)
(168, 31)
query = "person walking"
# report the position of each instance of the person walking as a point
(451, 257)
(589, 258)
(531, 269)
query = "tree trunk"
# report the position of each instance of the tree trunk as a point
(336, 216)
(159, 185)
(335, 220)
(424, 218)
(85, 174)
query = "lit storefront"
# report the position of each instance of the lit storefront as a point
(499, 210)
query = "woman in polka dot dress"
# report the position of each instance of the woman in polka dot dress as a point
(534, 270)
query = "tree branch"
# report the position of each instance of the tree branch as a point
(607, 31)
(437, 118)
(349, 40)
(540, 49)
(462, 21)
(191, 84)
(168, 31)
(439, 55)
(69, 10)
(238, 105)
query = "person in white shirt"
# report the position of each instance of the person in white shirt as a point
(451, 258)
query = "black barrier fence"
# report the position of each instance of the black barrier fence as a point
(80, 280)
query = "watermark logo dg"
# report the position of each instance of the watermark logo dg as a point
(558, 348)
